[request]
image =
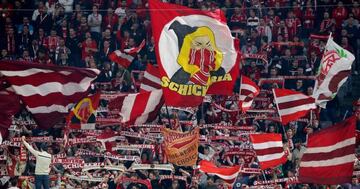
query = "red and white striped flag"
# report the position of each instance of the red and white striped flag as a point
(151, 80)
(135, 50)
(48, 91)
(330, 155)
(292, 105)
(269, 149)
(138, 108)
(248, 91)
(228, 174)
(125, 58)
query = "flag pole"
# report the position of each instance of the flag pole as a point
(311, 117)
(345, 114)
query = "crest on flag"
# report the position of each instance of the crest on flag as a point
(83, 115)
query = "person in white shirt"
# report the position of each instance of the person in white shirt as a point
(42, 168)
(208, 153)
(94, 20)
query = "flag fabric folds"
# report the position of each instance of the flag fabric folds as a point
(330, 155)
(195, 51)
(335, 67)
(269, 149)
(248, 91)
(9, 106)
(47, 91)
(228, 174)
(181, 148)
(151, 80)
(138, 108)
(83, 115)
(126, 57)
(292, 105)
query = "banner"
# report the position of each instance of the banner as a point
(145, 182)
(172, 177)
(86, 140)
(335, 67)
(181, 148)
(69, 163)
(82, 152)
(133, 147)
(164, 167)
(262, 57)
(85, 178)
(196, 53)
(290, 180)
(103, 166)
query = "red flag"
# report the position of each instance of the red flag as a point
(138, 108)
(330, 155)
(151, 80)
(269, 149)
(125, 58)
(228, 174)
(47, 91)
(292, 105)
(248, 91)
(83, 115)
(196, 53)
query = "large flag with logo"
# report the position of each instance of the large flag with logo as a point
(334, 70)
(181, 148)
(330, 155)
(83, 115)
(196, 53)
(47, 91)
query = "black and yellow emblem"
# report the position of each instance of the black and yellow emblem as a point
(200, 60)
(84, 112)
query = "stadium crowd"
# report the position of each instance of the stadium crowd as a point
(282, 42)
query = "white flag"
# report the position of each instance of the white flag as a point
(334, 69)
